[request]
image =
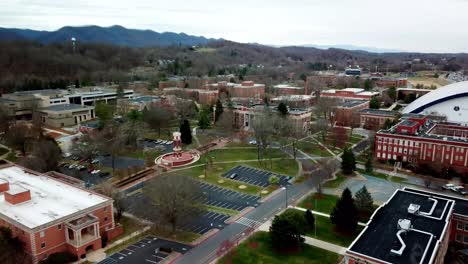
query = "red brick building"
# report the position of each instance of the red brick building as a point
(287, 89)
(202, 96)
(50, 215)
(418, 139)
(374, 119)
(391, 82)
(349, 94)
(247, 89)
(347, 114)
(413, 226)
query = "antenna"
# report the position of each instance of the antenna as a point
(73, 39)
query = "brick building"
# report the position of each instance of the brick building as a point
(247, 89)
(202, 96)
(295, 101)
(287, 89)
(413, 226)
(391, 82)
(347, 114)
(50, 215)
(374, 119)
(420, 139)
(349, 94)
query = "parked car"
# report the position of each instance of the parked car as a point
(253, 142)
(233, 176)
(94, 161)
(66, 155)
(81, 167)
(169, 142)
(448, 186)
(72, 166)
(460, 190)
(95, 171)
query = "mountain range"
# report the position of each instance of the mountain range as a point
(116, 35)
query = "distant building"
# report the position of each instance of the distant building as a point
(420, 139)
(295, 101)
(349, 93)
(51, 215)
(202, 96)
(64, 115)
(353, 71)
(387, 82)
(413, 226)
(247, 89)
(347, 114)
(402, 92)
(287, 89)
(374, 119)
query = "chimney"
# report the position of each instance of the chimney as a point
(4, 185)
(17, 194)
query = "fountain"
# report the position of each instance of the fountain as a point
(177, 158)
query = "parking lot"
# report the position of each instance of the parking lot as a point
(120, 162)
(137, 204)
(225, 198)
(255, 176)
(164, 146)
(85, 175)
(148, 250)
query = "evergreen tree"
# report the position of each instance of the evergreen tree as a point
(310, 219)
(345, 214)
(204, 120)
(287, 230)
(348, 161)
(282, 109)
(364, 201)
(374, 103)
(219, 110)
(367, 84)
(186, 132)
(369, 167)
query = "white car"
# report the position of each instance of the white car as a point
(95, 171)
(448, 186)
(94, 161)
(253, 142)
(66, 155)
(72, 166)
(169, 142)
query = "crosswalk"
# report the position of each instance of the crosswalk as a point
(248, 222)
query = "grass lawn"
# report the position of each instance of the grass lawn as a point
(374, 174)
(242, 154)
(313, 149)
(204, 139)
(130, 225)
(257, 249)
(239, 144)
(326, 232)
(340, 178)
(221, 210)
(324, 202)
(398, 179)
(355, 139)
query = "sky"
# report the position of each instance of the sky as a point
(406, 25)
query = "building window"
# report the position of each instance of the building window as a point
(459, 225)
(458, 238)
(105, 219)
(466, 227)
(465, 239)
(43, 245)
(105, 209)
(41, 234)
(59, 227)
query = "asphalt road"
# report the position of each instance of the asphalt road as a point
(206, 252)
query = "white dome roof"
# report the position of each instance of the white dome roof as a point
(441, 94)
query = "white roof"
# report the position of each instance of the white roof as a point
(368, 93)
(287, 86)
(354, 90)
(440, 93)
(50, 199)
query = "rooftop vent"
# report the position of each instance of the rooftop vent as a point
(404, 224)
(413, 208)
(17, 194)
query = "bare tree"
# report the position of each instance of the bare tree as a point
(326, 106)
(225, 123)
(174, 198)
(109, 190)
(263, 126)
(186, 109)
(18, 136)
(328, 166)
(157, 117)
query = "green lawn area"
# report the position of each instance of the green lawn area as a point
(257, 249)
(242, 154)
(130, 225)
(313, 149)
(221, 210)
(340, 178)
(398, 179)
(239, 145)
(326, 232)
(204, 139)
(319, 202)
(355, 139)
(374, 174)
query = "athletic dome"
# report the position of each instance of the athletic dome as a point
(450, 100)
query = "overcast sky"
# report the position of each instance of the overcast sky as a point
(409, 25)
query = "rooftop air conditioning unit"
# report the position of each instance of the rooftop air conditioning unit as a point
(413, 208)
(404, 224)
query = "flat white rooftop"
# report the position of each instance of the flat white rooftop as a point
(50, 199)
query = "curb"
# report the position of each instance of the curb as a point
(268, 197)
(205, 237)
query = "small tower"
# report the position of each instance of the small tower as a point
(177, 144)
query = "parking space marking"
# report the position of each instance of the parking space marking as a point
(151, 261)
